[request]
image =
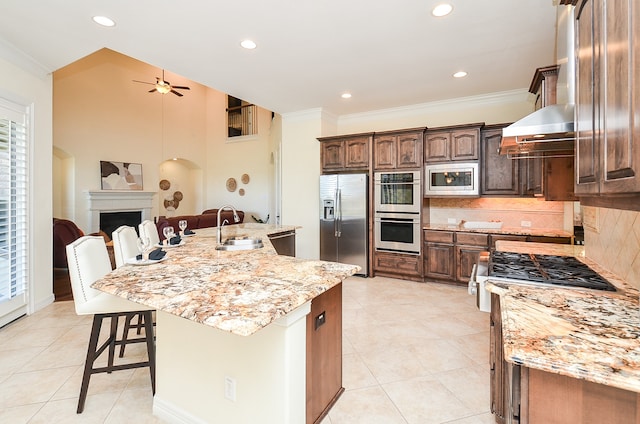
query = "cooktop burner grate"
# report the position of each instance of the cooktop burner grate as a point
(548, 269)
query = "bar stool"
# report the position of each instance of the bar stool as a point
(125, 246)
(89, 261)
(148, 229)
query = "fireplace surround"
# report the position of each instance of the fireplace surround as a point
(105, 201)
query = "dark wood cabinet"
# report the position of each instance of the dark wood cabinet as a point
(607, 127)
(459, 143)
(587, 138)
(558, 179)
(398, 265)
(345, 153)
(324, 353)
(398, 150)
(531, 171)
(439, 261)
(468, 248)
(499, 173)
(498, 396)
(451, 255)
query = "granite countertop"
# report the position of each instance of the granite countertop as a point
(239, 292)
(545, 232)
(584, 334)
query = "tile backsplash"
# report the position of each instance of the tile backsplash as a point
(511, 211)
(612, 239)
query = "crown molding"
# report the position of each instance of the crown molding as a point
(421, 109)
(17, 57)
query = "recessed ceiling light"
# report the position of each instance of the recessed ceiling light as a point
(104, 21)
(248, 44)
(346, 95)
(442, 10)
(460, 74)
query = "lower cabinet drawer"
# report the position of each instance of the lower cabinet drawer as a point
(397, 263)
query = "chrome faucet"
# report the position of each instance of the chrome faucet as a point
(236, 219)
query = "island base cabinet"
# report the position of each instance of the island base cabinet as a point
(557, 399)
(324, 353)
(206, 375)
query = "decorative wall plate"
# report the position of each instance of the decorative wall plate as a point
(245, 178)
(178, 196)
(241, 192)
(164, 184)
(232, 184)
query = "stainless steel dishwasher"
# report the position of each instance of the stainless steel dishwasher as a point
(284, 242)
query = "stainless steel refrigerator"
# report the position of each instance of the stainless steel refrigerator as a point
(343, 219)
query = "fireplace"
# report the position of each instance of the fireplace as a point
(110, 221)
(123, 206)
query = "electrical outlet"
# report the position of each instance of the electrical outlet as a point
(230, 388)
(525, 223)
(451, 220)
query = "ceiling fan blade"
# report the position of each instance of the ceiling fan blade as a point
(181, 87)
(151, 91)
(176, 93)
(143, 82)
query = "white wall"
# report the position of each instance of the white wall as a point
(301, 177)
(26, 83)
(101, 114)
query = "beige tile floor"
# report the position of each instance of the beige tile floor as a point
(413, 354)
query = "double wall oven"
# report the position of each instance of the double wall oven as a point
(398, 204)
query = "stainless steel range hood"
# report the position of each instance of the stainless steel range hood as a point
(549, 129)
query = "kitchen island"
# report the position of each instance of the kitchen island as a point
(231, 327)
(570, 355)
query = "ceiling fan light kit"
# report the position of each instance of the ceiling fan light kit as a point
(163, 87)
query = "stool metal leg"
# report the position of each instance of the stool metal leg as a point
(88, 364)
(94, 351)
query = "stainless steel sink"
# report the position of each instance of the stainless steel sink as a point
(240, 243)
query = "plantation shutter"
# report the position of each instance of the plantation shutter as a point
(13, 211)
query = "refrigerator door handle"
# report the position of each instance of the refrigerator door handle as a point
(339, 213)
(335, 213)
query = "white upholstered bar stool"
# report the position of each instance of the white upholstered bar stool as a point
(148, 229)
(125, 244)
(89, 261)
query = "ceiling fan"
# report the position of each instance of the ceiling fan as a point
(162, 86)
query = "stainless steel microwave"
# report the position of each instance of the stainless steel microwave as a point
(451, 179)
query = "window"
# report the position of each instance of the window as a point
(242, 117)
(13, 210)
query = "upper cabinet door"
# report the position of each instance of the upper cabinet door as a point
(384, 152)
(357, 153)
(621, 162)
(607, 97)
(332, 155)
(464, 144)
(587, 142)
(436, 147)
(409, 150)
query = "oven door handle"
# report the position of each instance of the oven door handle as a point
(398, 220)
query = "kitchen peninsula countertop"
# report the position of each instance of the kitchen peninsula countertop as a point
(585, 334)
(235, 291)
(544, 232)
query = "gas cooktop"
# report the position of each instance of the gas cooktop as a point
(563, 271)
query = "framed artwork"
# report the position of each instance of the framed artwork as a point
(120, 175)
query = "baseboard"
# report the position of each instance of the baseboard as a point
(43, 303)
(170, 413)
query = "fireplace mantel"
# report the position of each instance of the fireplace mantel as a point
(118, 201)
